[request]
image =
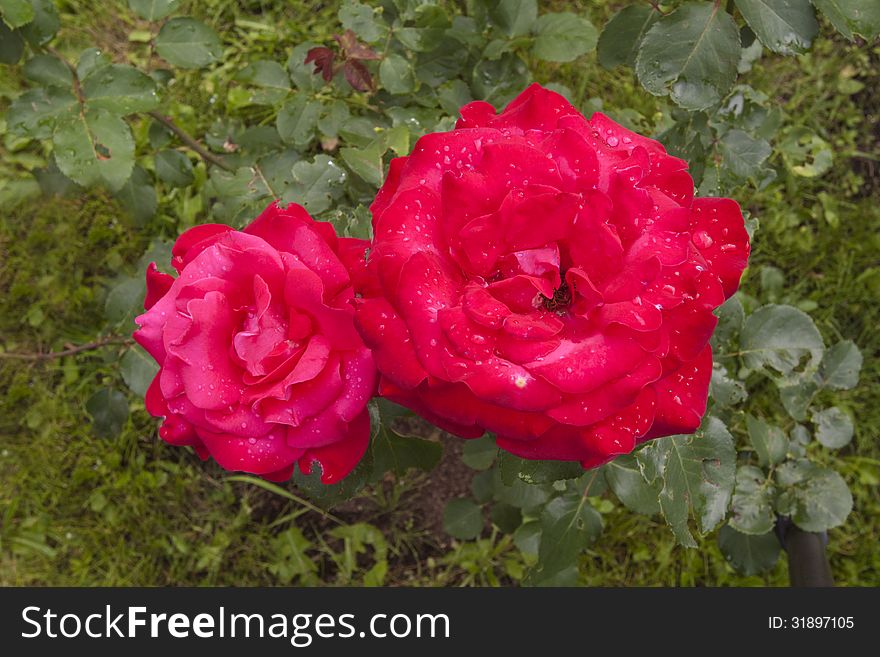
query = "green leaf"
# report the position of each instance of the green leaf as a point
(395, 453)
(109, 410)
(563, 37)
(518, 493)
(153, 10)
(779, 337)
(396, 75)
(622, 36)
(16, 12)
(816, 498)
(138, 370)
(291, 560)
(125, 300)
(834, 428)
(769, 441)
(527, 537)
(752, 504)
(35, 113)
(850, 17)
(326, 496)
(568, 525)
(49, 71)
(138, 196)
(698, 477)
(95, 147)
(506, 517)
(315, 184)
(625, 478)
(11, 45)
(90, 60)
(537, 472)
(784, 26)
(272, 81)
(731, 317)
(188, 43)
(840, 366)
(121, 89)
(44, 25)
(366, 162)
(479, 453)
(691, 54)
(725, 391)
(499, 81)
(796, 393)
(742, 154)
(298, 119)
(514, 17)
(749, 555)
(463, 519)
(359, 18)
(805, 154)
(174, 168)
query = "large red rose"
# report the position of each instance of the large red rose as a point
(548, 278)
(261, 365)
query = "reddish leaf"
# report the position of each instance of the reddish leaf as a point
(323, 59)
(358, 76)
(353, 48)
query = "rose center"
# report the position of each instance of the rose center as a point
(560, 300)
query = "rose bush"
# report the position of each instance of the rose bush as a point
(261, 365)
(548, 278)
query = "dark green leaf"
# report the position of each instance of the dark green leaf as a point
(517, 492)
(691, 54)
(479, 453)
(120, 89)
(188, 43)
(327, 496)
(174, 168)
(796, 393)
(840, 366)
(396, 75)
(698, 477)
(35, 113)
(272, 81)
(742, 154)
(527, 537)
(834, 428)
(366, 162)
(724, 390)
(568, 525)
(851, 17)
(44, 25)
(109, 410)
(315, 184)
(506, 517)
(784, 26)
(563, 37)
(90, 60)
(514, 17)
(395, 453)
(298, 119)
(749, 555)
(138, 370)
(769, 441)
(125, 300)
(153, 10)
(462, 519)
(625, 478)
(138, 196)
(94, 147)
(778, 337)
(48, 70)
(11, 45)
(359, 18)
(815, 497)
(623, 35)
(499, 81)
(752, 504)
(537, 472)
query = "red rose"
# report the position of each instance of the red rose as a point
(548, 278)
(261, 365)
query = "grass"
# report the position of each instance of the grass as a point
(76, 509)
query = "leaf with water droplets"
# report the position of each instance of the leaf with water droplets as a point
(691, 55)
(315, 184)
(35, 113)
(784, 26)
(851, 17)
(120, 89)
(698, 477)
(94, 147)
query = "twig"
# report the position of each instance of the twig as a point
(50, 355)
(190, 141)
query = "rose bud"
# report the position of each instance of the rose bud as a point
(550, 279)
(261, 365)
